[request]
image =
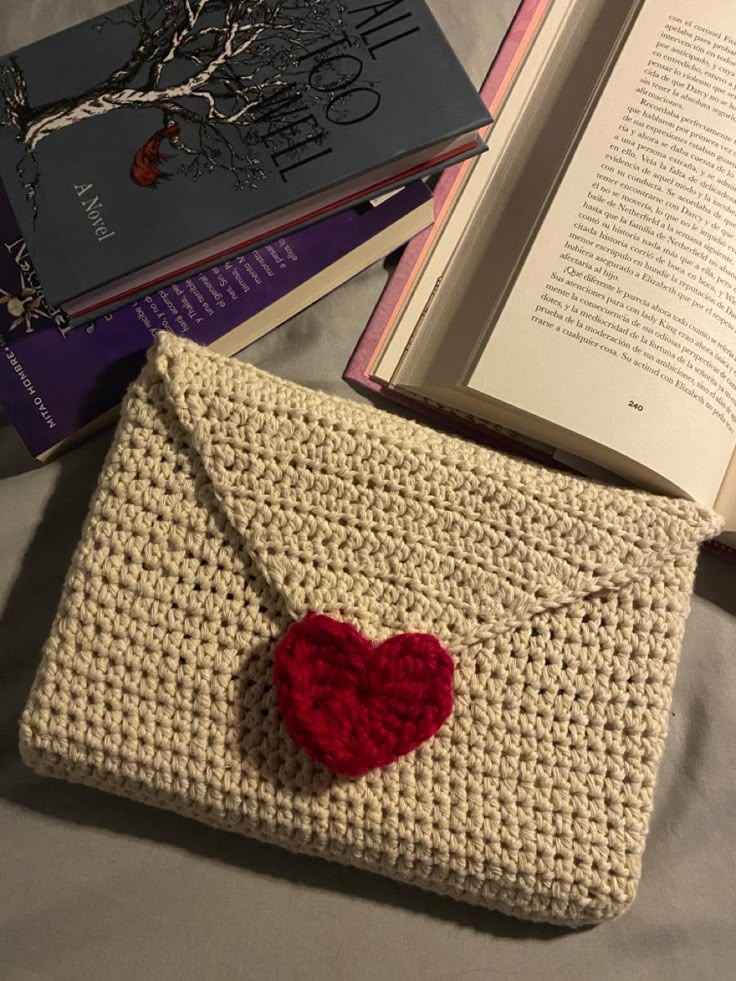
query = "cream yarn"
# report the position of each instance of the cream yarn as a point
(233, 502)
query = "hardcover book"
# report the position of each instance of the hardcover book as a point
(169, 135)
(580, 292)
(58, 383)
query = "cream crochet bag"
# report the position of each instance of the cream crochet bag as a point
(233, 503)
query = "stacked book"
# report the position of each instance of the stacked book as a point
(207, 168)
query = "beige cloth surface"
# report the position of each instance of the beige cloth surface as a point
(97, 887)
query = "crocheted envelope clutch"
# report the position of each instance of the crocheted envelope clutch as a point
(234, 504)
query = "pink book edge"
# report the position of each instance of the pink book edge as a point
(511, 51)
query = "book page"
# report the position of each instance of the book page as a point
(509, 190)
(455, 213)
(622, 323)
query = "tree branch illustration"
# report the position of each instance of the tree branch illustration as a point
(215, 67)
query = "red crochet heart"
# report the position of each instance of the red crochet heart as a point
(354, 706)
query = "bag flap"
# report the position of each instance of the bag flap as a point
(357, 513)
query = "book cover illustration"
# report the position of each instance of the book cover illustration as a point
(185, 64)
(56, 379)
(165, 123)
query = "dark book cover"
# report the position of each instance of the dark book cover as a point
(55, 379)
(141, 133)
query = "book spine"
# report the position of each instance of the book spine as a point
(55, 380)
(498, 81)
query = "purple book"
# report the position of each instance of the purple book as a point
(58, 383)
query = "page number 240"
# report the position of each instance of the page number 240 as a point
(637, 406)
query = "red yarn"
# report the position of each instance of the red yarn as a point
(354, 706)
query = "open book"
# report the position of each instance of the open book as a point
(582, 290)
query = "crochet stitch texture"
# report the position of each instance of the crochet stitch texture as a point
(233, 503)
